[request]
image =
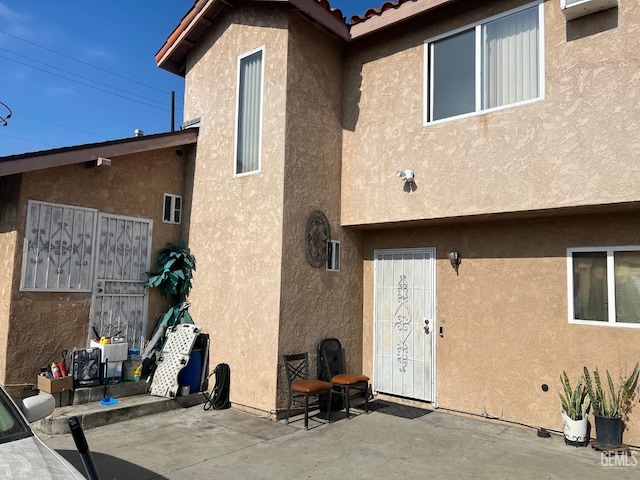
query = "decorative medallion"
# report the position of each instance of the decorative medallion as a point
(316, 236)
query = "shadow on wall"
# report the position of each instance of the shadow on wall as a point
(591, 24)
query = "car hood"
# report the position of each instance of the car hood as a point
(31, 459)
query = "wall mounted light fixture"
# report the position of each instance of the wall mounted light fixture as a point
(454, 258)
(406, 175)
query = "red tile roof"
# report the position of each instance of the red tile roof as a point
(372, 12)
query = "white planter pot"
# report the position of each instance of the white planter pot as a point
(575, 431)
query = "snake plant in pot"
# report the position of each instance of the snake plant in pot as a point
(611, 405)
(575, 404)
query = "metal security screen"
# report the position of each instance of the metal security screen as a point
(58, 247)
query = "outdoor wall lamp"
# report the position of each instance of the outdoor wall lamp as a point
(406, 175)
(454, 258)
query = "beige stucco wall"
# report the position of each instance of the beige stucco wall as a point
(237, 223)
(573, 148)
(42, 324)
(10, 189)
(255, 293)
(315, 304)
(505, 317)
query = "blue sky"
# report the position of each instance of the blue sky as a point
(75, 72)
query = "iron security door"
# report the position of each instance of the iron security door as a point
(119, 302)
(404, 322)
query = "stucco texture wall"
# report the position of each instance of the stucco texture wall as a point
(574, 147)
(505, 317)
(237, 223)
(9, 192)
(315, 304)
(42, 324)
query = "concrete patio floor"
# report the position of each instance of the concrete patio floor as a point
(191, 443)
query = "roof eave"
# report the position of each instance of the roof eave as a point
(172, 55)
(393, 16)
(28, 162)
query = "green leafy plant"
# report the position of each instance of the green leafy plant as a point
(617, 401)
(174, 281)
(575, 401)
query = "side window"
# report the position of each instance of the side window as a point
(57, 254)
(333, 256)
(172, 208)
(489, 65)
(604, 286)
(249, 112)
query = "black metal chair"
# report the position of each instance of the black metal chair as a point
(297, 366)
(343, 382)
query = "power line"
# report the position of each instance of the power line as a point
(83, 62)
(26, 140)
(79, 76)
(85, 84)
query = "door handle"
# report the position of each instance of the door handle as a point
(426, 326)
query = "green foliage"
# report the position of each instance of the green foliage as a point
(174, 277)
(175, 315)
(617, 401)
(575, 401)
(175, 273)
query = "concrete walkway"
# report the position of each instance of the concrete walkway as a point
(192, 443)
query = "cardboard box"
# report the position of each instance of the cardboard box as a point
(114, 352)
(55, 385)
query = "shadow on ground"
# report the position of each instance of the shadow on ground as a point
(111, 467)
(395, 409)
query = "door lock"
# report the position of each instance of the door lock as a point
(426, 326)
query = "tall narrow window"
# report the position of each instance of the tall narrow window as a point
(249, 115)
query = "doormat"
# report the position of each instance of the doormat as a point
(395, 409)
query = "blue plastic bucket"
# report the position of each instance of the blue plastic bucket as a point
(191, 374)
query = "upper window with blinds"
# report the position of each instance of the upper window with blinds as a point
(57, 253)
(488, 66)
(249, 112)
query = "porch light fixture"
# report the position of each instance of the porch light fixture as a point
(454, 258)
(406, 175)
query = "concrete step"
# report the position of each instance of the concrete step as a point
(94, 414)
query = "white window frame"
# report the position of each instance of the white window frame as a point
(261, 49)
(172, 212)
(428, 67)
(611, 293)
(334, 256)
(87, 255)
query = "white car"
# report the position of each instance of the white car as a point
(22, 454)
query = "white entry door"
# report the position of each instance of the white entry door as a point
(404, 323)
(119, 301)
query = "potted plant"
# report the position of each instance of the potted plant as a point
(610, 407)
(575, 404)
(174, 281)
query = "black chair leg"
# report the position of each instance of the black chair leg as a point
(346, 399)
(288, 409)
(366, 397)
(329, 408)
(306, 412)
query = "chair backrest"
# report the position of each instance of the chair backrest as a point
(326, 345)
(297, 366)
(334, 362)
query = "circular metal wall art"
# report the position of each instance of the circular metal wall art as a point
(316, 236)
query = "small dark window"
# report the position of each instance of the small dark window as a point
(333, 256)
(172, 208)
